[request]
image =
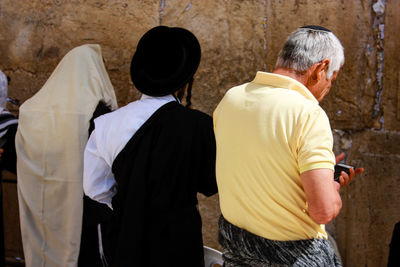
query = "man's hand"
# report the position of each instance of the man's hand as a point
(344, 178)
(322, 192)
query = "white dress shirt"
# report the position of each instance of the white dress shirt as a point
(112, 132)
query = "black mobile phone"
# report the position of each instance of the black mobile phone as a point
(339, 168)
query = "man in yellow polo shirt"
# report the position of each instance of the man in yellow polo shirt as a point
(275, 161)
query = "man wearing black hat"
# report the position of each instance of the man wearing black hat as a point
(275, 162)
(148, 160)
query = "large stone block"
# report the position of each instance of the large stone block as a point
(370, 202)
(35, 35)
(231, 36)
(391, 78)
(350, 102)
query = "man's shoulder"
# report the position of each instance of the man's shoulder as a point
(200, 115)
(295, 98)
(192, 114)
(235, 93)
(306, 107)
(120, 111)
(240, 88)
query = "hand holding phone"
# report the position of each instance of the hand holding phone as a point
(338, 170)
(339, 167)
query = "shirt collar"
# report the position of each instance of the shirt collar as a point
(282, 81)
(166, 97)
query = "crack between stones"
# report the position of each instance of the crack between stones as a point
(265, 35)
(379, 28)
(161, 12)
(20, 69)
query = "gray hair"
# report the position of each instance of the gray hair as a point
(309, 45)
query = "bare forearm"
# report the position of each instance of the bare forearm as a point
(324, 214)
(322, 193)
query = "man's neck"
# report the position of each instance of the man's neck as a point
(292, 74)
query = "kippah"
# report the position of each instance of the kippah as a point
(315, 28)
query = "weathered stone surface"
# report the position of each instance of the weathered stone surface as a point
(35, 35)
(210, 212)
(237, 39)
(391, 82)
(231, 37)
(370, 203)
(348, 105)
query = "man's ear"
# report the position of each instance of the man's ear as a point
(320, 68)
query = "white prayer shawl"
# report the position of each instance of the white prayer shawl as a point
(6, 118)
(3, 91)
(50, 141)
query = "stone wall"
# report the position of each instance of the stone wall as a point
(237, 39)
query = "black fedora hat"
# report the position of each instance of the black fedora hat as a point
(165, 60)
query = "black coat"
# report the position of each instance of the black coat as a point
(158, 173)
(94, 213)
(9, 158)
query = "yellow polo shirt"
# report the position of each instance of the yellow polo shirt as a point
(267, 132)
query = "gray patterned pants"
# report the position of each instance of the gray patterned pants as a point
(244, 249)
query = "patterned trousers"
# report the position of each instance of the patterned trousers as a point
(244, 249)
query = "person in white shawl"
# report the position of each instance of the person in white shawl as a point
(8, 128)
(50, 141)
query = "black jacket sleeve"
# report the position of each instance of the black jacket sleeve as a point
(9, 157)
